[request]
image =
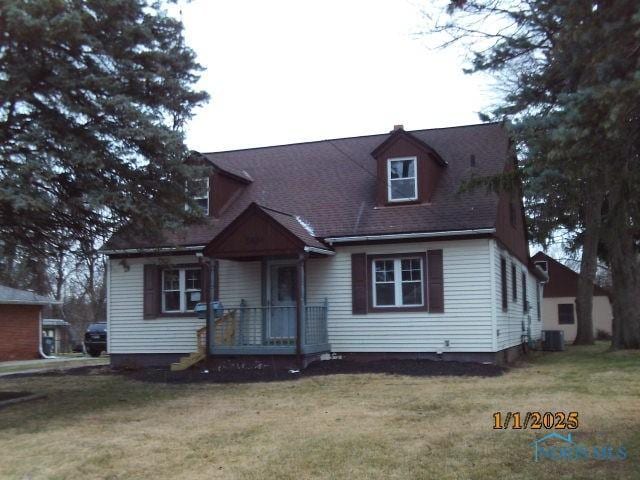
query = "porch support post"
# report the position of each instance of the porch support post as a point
(209, 272)
(299, 305)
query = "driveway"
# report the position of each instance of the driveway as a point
(50, 364)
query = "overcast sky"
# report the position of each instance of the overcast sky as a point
(287, 71)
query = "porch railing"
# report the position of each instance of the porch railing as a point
(267, 330)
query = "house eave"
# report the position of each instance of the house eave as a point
(321, 251)
(408, 236)
(30, 302)
(160, 250)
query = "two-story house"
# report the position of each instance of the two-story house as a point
(362, 246)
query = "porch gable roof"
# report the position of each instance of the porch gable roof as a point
(261, 231)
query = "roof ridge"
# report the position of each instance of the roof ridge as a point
(274, 210)
(348, 138)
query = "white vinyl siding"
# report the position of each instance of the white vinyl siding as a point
(129, 332)
(240, 281)
(470, 323)
(510, 322)
(466, 322)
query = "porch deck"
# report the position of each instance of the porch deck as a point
(268, 330)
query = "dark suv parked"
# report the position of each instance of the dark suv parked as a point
(95, 339)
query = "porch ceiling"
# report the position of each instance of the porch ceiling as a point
(260, 231)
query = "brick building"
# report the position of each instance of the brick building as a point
(20, 328)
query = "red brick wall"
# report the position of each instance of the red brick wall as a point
(19, 332)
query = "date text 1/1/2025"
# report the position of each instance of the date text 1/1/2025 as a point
(535, 420)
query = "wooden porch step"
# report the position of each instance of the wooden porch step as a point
(189, 361)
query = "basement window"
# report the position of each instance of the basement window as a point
(402, 179)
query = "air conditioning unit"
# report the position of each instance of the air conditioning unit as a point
(553, 340)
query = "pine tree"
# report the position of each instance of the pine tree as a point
(572, 74)
(93, 98)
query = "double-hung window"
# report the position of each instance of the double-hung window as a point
(402, 179)
(398, 282)
(199, 189)
(181, 289)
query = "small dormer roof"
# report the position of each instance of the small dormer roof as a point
(399, 133)
(234, 173)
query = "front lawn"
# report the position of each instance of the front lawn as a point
(340, 426)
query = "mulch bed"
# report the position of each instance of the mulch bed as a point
(269, 373)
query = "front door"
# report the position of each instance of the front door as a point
(281, 321)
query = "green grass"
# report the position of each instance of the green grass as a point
(342, 426)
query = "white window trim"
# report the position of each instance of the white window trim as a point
(397, 281)
(415, 179)
(205, 211)
(182, 290)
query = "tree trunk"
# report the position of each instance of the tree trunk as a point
(625, 276)
(624, 261)
(588, 265)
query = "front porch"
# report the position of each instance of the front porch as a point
(275, 318)
(269, 330)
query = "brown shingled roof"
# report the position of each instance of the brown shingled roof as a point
(295, 225)
(563, 281)
(331, 184)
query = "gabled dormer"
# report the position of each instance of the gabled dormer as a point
(408, 169)
(215, 191)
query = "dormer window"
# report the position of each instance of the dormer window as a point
(402, 179)
(200, 193)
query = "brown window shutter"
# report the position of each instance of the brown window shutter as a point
(435, 281)
(151, 290)
(359, 283)
(503, 282)
(524, 292)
